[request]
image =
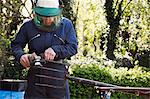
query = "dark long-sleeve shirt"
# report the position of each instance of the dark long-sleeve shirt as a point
(63, 41)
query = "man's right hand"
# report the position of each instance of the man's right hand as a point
(24, 60)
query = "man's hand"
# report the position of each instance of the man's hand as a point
(49, 54)
(24, 60)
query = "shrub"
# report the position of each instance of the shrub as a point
(135, 77)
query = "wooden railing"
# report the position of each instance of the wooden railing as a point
(107, 89)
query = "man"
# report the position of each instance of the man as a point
(48, 33)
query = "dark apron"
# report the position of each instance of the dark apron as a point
(47, 82)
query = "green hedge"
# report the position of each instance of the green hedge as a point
(135, 77)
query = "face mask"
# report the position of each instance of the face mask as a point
(54, 25)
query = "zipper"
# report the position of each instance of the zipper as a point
(38, 35)
(59, 38)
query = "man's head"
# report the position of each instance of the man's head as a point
(47, 14)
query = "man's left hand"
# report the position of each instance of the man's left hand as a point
(49, 54)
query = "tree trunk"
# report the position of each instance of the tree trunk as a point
(113, 22)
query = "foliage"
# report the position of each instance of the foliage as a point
(2, 58)
(134, 77)
(135, 27)
(90, 25)
(11, 18)
(132, 34)
(68, 10)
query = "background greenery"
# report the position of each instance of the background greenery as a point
(99, 71)
(113, 38)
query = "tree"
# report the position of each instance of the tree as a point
(113, 15)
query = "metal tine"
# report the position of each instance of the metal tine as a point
(57, 62)
(49, 77)
(50, 69)
(51, 86)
